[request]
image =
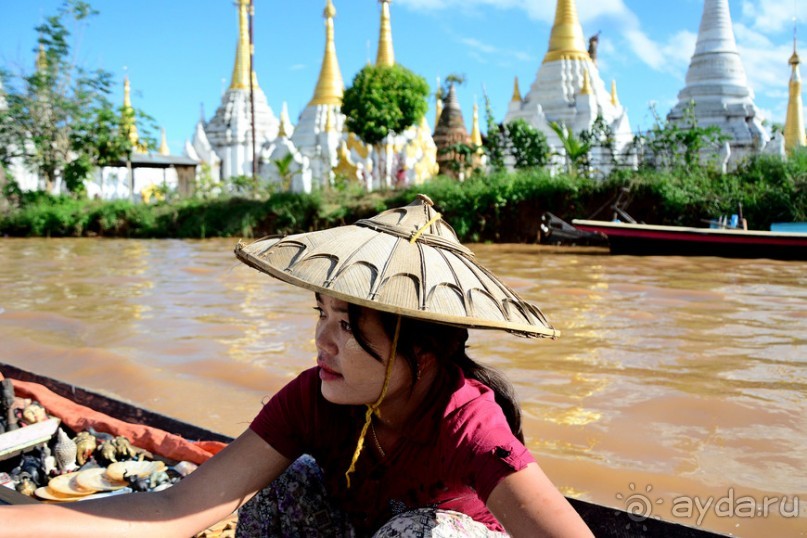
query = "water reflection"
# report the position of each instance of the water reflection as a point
(685, 373)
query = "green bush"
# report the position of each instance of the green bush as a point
(499, 206)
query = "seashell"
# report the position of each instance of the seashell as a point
(123, 470)
(85, 446)
(184, 468)
(97, 480)
(108, 451)
(123, 448)
(66, 484)
(48, 494)
(158, 478)
(34, 412)
(65, 452)
(26, 486)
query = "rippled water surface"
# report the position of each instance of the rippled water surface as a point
(676, 383)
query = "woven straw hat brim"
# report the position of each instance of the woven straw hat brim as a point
(375, 264)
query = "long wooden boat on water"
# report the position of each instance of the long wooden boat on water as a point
(604, 521)
(648, 239)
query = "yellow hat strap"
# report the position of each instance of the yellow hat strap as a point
(373, 408)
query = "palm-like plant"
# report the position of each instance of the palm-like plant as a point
(575, 148)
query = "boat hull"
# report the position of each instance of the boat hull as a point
(604, 521)
(645, 239)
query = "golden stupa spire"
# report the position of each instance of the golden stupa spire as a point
(614, 96)
(129, 121)
(386, 55)
(586, 89)
(516, 92)
(476, 136)
(795, 136)
(330, 86)
(41, 58)
(240, 79)
(566, 40)
(164, 144)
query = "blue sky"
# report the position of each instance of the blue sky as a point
(179, 53)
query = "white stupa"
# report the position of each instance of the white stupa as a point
(229, 132)
(568, 88)
(717, 84)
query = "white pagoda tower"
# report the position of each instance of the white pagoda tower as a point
(568, 88)
(717, 85)
(229, 133)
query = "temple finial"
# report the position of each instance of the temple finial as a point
(566, 39)
(794, 134)
(516, 92)
(241, 69)
(386, 54)
(586, 89)
(476, 135)
(330, 85)
(164, 144)
(614, 96)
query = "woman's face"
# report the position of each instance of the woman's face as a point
(349, 374)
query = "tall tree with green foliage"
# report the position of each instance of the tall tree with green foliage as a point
(59, 119)
(526, 145)
(384, 101)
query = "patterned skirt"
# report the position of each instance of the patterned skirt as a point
(297, 505)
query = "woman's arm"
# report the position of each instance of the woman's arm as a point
(206, 496)
(528, 504)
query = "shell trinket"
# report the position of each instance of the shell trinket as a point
(74, 466)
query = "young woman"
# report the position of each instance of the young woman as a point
(394, 432)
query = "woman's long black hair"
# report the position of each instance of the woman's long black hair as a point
(448, 344)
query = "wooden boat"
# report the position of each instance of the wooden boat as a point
(647, 239)
(604, 521)
(556, 231)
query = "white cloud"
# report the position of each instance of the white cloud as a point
(540, 10)
(297, 67)
(771, 15)
(485, 52)
(765, 63)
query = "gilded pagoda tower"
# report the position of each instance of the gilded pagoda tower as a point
(568, 89)
(314, 137)
(795, 137)
(717, 86)
(410, 157)
(228, 135)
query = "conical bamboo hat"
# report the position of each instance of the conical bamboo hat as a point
(406, 261)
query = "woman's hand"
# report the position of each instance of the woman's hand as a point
(206, 496)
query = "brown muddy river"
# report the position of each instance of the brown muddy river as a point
(678, 383)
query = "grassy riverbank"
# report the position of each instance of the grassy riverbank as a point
(499, 207)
